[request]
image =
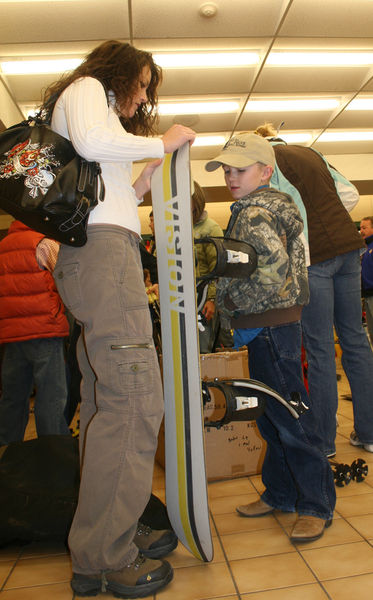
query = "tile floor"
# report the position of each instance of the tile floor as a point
(254, 558)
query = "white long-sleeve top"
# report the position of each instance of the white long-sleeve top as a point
(82, 115)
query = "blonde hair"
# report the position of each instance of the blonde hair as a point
(266, 130)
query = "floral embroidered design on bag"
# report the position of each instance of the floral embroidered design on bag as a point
(33, 162)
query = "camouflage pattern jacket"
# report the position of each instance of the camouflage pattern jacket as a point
(275, 293)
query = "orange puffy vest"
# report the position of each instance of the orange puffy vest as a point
(30, 306)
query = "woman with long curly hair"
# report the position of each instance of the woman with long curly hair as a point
(106, 107)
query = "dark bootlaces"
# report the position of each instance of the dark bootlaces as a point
(154, 543)
(142, 577)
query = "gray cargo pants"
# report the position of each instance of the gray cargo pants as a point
(102, 285)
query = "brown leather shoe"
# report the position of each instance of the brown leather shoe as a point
(308, 529)
(142, 577)
(154, 543)
(259, 508)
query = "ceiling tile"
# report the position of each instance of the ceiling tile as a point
(74, 27)
(234, 18)
(63, 21)
(329, 19)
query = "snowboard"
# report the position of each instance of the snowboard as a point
(186, 484)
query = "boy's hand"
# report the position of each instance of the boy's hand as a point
(209, 310)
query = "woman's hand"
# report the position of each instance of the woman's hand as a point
(176, 136)
(142, 183)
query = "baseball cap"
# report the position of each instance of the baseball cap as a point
(243, 150)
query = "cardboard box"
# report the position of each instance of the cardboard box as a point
(226, 365)
(236, 449)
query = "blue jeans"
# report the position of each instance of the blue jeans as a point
(335, 299)
(38, 362)
(296, 474)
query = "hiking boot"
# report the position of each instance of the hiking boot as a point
(142, 577)
(259, 508)
(354, 441)
(154, 543)
(308, 528)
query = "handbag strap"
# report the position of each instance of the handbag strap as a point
(44, 116)
(87, 171)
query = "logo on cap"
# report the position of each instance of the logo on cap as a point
(235, 142)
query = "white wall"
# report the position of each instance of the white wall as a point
(353, 166)
(364, 208)
(9, 111)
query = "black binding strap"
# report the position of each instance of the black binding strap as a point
(234, 258)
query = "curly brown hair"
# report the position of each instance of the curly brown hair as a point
(117, 66)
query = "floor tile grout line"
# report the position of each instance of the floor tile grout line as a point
(286, 587)
(11, 571)
(304, 560)
(226, 557)
(35, 585)
(365, 539)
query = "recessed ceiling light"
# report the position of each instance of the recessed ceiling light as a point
(321, 59)
(296, 138)
(193, 108)
(361, 104)
(292, 105)
(29, 67)
(346, 136)
(206, 59)
(209, 140)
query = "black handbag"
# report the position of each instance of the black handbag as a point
(44, 182)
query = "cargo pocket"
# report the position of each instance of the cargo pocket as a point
(131, 368)
(68, 284)
(132, 371)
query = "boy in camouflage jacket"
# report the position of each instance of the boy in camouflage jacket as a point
(275, 293)
(264, 312)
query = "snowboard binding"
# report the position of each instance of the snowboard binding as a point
(234, 258)
(242, 400)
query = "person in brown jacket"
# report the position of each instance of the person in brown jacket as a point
(323, 196)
